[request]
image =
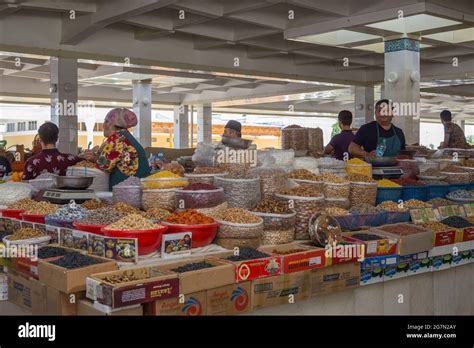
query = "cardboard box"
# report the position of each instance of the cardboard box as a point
(439, 263)
(344, 253)
(3, 287)
(87, 308)
(420, 264)
(27, 293)
(71, 280)
(312, 257)
(462, 258)
(185, 305)
(416, 262)
(378, 247)
(372, 268)
(252, 269)
(443, 238)
(230, 299)
(59, 303)
(152, 284)
(334, 278)
(411, 243)
(466, 235)
(207, 278)
(272, 291)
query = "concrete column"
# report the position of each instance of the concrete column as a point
(181, 127)
(402, 83)
(142, 108)
(63, 91)
(364, 105)
(204, 124)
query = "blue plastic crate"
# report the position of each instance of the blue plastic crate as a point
(393, 194)
(455, 187)
(394, 217)
(414, 192)
(471, 186)
(436, 191)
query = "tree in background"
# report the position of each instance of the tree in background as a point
(335, 129)
(470, 139)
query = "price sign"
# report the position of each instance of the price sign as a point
(420, 216)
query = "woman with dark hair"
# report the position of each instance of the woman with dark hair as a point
(453, 134)
(121, 154)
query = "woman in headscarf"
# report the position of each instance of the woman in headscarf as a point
(121, 154)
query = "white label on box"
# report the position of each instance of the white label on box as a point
(371, 247)
(315, 261)
(34, 270)
(421, 256)
(391, 261)
(93, 289)
(176, 245)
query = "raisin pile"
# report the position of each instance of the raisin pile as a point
(247, 254)
(48, 251)
(366, 236)
(75, 260)
(192, 267)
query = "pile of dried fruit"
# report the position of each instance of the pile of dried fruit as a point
(392, 206)
(124, 208)
(208, 170)
(75, 260)
(304, 174)
(237, 216)
(366, 236)
(42, 208)
(301, 191)
(401, 229)
(189, 217)
(192, 267)
(69, 212)
(122, 278)
(416, 204)
(247, 254)
(386, 183)
(25, 233)
(101, 216)
(156, 214)
(439, 201)
(92, 204)
(450, 168)
(436, 226)
(49, 251)
(431, 172)
(287, 252)
(133, 222)
(22, 204)
(457, 222)
(333, 211)
(271, 206)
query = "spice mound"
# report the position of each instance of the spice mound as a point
(75, 260)
(92, 204)
(271, 206)
(387, 183)
(192, 267)
(126, 209)
(247, 254)
(301, 191)
(237, 216)
(48, 252)
(102, 216)
(156, 214)
(189, 217)
(25, 233)
(174, 180)
(304, 174)
(42, 208)
(133, 222)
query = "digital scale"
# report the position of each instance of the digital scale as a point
(64, 196)
(387, 172)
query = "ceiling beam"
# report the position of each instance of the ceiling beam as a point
(76, 30)
(8, 9)
(78, 6)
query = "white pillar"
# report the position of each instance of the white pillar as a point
(204, 124)
(181, 127)
(142, 108)
(364, 105)
(63, 90)
(402, 84)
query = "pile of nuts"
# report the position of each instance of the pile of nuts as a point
(333, 178)
(287, 252)
(133, 222)
(122, 278)
(164, 199)
(271, 206)
(25, 233)
(247, 254)
(365, 209)
(240, 193)
(22, 204)
(333, 211)
(457, 222)
(401, 229)
(301, 191)
(436, 226)
(337, 190)
(124, 208)
(93, 204)
(431, 172)
(440, 201)
(156, 214)
(360, 178)
(86, 164)
(450, 168)
(41, 208)
(392, 206)
(416, 204)
(363, 192)
(208, 170)
(47, 252)
(102, 216)
(304, 174)
(238, 216)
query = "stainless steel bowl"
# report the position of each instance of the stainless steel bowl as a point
(72, 182)
(238, 143)
(382, 161)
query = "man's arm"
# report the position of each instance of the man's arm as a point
(329, 149)
(357, 151)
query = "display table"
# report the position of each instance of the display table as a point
(447, 292)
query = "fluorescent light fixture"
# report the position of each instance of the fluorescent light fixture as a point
(379, 47)
(454, 36)
(413, 24)
(337, 38)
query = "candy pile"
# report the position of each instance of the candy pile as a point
(69, 212)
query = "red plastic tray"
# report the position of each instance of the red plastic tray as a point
(202, 234)
(97, 229)
(38, 218)
(12, 213)
(148, 240)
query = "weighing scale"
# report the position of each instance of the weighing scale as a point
(386, 172)
(64, 196)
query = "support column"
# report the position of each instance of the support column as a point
(63, 91)
(204, 124)
(364, 105)
(181, 127)
(142, 108)
(402, 84)
(462, 124)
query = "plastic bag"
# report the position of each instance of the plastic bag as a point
(204, 155)
(306, 162)
(240, 193)
(11, 192)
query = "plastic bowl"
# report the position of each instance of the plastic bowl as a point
(202, 234)
(97, 229)
(148, 240)
(38, 218)
(12, 213)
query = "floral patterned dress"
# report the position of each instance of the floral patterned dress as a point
(122, 156)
